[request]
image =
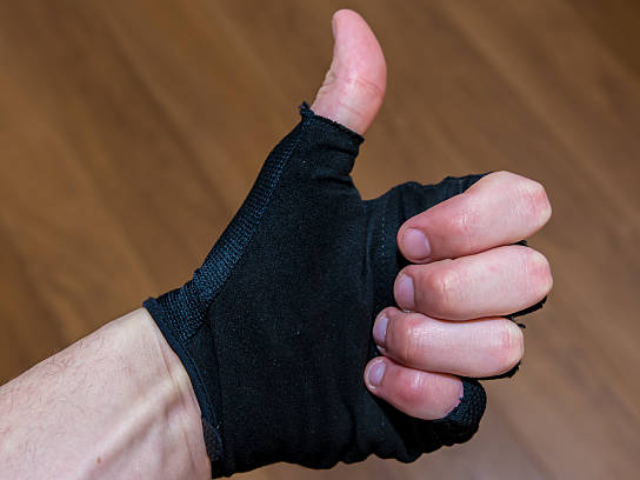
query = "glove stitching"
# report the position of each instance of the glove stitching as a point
(219, 264)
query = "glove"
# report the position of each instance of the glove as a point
(274, 329)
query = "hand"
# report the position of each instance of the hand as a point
(466, 274)
(274, 329)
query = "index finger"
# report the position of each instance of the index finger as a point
(500, 209)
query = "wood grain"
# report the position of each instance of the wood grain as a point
(130, 132)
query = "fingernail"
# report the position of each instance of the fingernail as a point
(404, 292)
(375, 374)
(380, 331)
(416, 244)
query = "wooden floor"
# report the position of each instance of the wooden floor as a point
(130, 131)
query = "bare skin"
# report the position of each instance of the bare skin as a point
(116, 404)
(119, 404)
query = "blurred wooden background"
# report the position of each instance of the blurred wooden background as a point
(130, 131)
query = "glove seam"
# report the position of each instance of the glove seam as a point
(206, 297)
(229, 464)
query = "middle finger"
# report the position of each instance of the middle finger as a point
(496, 282)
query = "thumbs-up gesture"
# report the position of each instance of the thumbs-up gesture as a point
(324, 328)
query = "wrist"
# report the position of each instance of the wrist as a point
(120, 400)
(179, 404)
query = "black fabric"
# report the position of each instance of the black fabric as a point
(275, 328)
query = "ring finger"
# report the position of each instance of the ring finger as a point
(476, 348)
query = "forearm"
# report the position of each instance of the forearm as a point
(116, 404)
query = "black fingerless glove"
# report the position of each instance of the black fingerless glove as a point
(275, 328)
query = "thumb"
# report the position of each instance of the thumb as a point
(354, 86)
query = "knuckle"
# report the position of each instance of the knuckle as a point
(503, 175)
(535, 201)
(410, 391)
(461, 225)
(443, 287)
(509, 347)
(539, 277)
(408, 338)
